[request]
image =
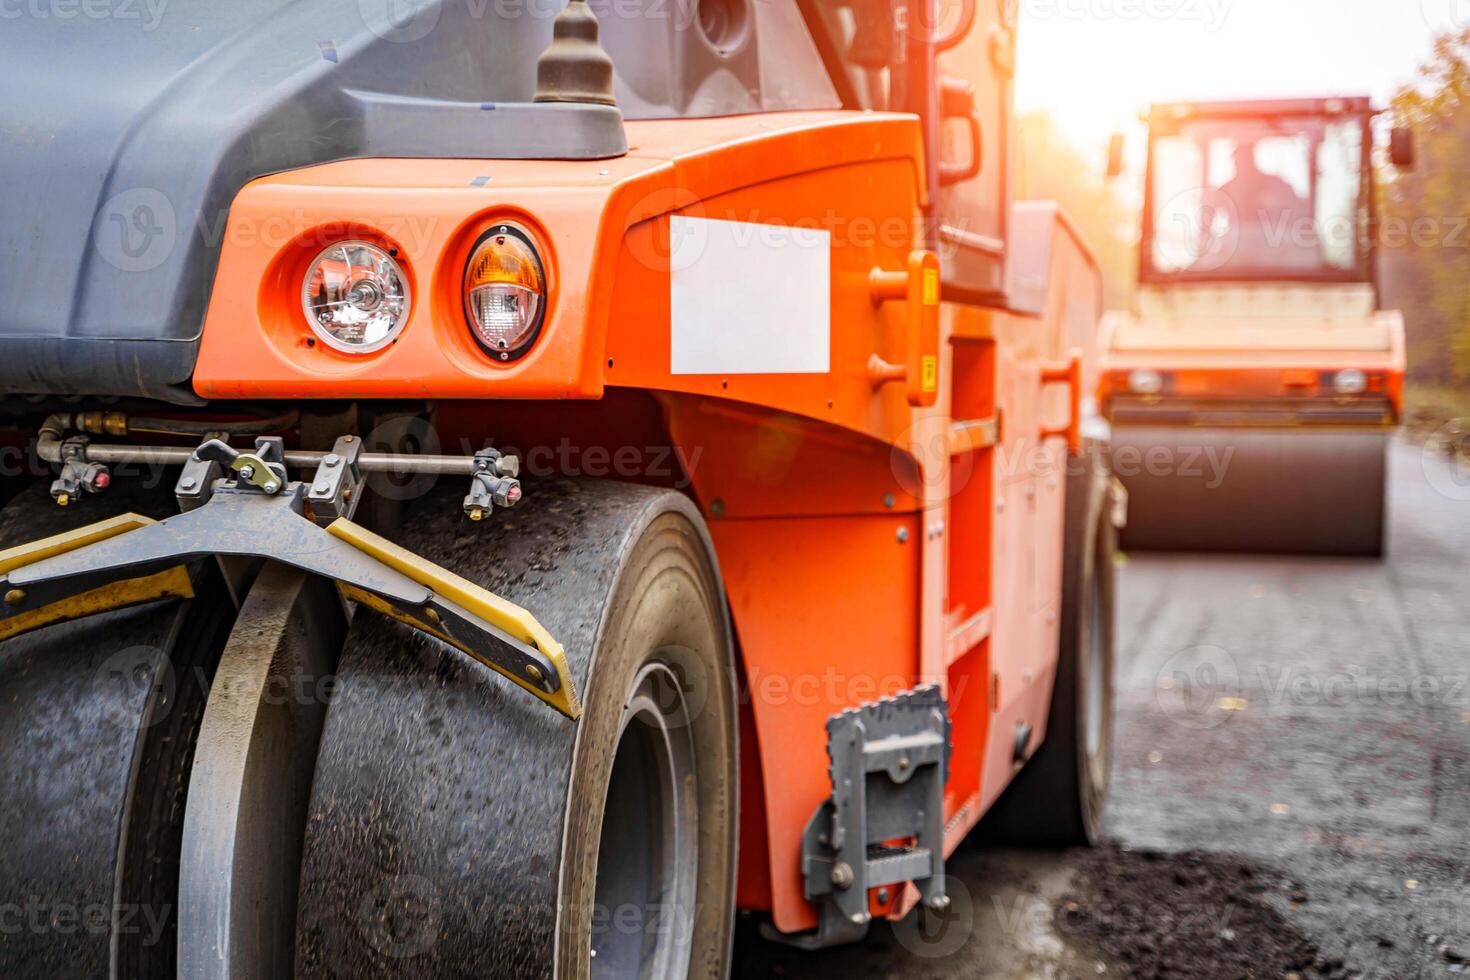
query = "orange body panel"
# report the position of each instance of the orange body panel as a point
(867, 545)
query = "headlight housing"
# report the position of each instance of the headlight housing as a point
(1350, 382)
(355, 297)
(505, 292)
(1145, 382)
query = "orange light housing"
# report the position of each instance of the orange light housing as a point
(505, 292)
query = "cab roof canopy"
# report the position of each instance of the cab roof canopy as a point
(1327, 106)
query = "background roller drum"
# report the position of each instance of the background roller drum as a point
(1275, 491)
(458, 828)
(97, 725)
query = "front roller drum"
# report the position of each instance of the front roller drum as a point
(1272, 491)
(97, 725)
(457, 828)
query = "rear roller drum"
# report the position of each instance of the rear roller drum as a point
(97, 726)
(458, 828)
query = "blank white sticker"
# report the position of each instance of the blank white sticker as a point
(749, 298)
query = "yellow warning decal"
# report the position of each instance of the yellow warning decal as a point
(931, 289)
(929, 373)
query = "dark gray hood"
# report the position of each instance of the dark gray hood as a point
(127, 129)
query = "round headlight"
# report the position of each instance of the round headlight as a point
(505, 292)
(1145, 382)
(355, 297)
(1350, 382)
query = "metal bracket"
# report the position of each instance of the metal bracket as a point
(884, 823)
(336, 488)
(263, 470)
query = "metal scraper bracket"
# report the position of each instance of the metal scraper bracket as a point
(884, 823)
(253, 512)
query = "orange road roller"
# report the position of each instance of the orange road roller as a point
(495, 491)
(1252, 394)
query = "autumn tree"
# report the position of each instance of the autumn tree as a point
(1424, 228)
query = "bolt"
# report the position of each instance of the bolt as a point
(717, 507)
(882, 896)
(939, 903)
(322, 487)
(347, 439)
(903, 762)
(858, 918)
(188, 483)
(331, 459)
(903, 535)
(534, 672)
(247, 472)
(842, 875)
(15, 597)
(271, 486)
(889, 500)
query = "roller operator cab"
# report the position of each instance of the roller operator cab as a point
(1252, 392)
(497, 490)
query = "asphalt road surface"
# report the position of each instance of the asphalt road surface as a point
(1291, 781)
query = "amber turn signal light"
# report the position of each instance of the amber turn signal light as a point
(505, 292)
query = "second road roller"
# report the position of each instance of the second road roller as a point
(1253, 392)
